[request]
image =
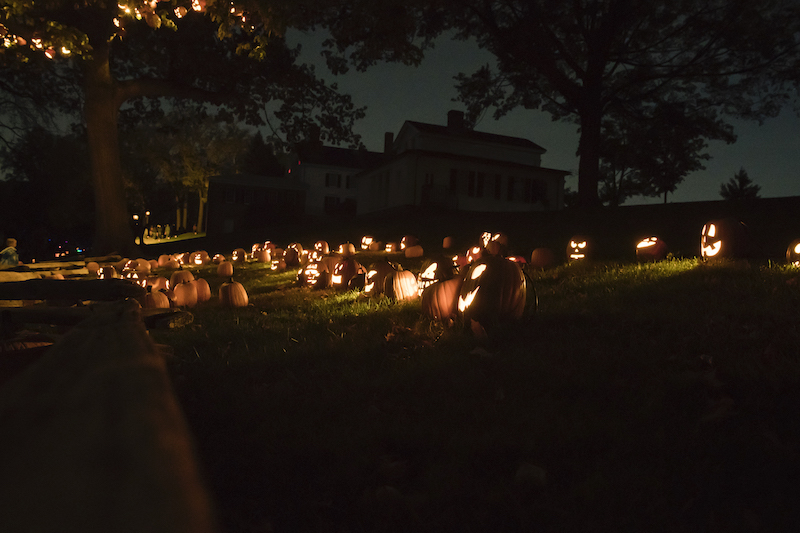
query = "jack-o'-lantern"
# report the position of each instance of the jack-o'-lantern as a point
(199, 258)
(133, 276)
(793, 253)
(256, 247)
(433, 270)
(239, 255)
(494, 289)
(494, 243)
(408, 241)
(293, 254)
(344, 271)
(183, 258)
(218, 258)
(317, 275)
(263, 255)
(366, 241)
(107, 272)
(440, 300)
(269, 245)
(651, 249)
(347, 249)
(517, 259)
(579, 248)
(726, 238)
(376, 276)
(143, 266)
(401, 285)
(157, 283)
(322, 247)
(392, 247)
(474, 253)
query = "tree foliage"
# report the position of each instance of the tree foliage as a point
(739, 187)
(227, 54)
(588, 60)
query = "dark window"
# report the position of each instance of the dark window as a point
(510, 193)
(428, 179)
(333, 180)
(331, 203)
(498, 186)
(528, 190)
(453, 180)
(479, 185)
(347, 182)
(230, 195)
(471, 188)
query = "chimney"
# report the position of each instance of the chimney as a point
(388, 141)
(455, 120)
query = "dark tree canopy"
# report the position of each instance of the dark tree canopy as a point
(586, 61)
(225, 54)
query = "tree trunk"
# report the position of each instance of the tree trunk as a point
(589, 154)
(201, 205)
(113, 232)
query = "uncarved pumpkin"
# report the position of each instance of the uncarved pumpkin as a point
(203, 290)
(155, 300)
(225, 269)
(542, 258)
(180, 276)
(233, 294)
(184, 294)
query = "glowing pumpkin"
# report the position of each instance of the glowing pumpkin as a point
(408, 241)
(494, 289)
(239, 255)
(199, 258)
(433, 270)
(651, 249)
(724, 239)
(184, 295)
(107, 272)
(293, 254)
(263, 255)
(322, 247)
(793, 253)
(376, 276)
(392, 247)
(579, 248)
(401, 285)
(317, 275)
(347, 249)
(366, 241)
(440, 300)
(344, 271)
(473, 254)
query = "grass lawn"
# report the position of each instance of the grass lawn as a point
(641, 398)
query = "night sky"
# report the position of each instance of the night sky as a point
(393, 93)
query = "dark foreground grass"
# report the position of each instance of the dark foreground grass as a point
(641, 398)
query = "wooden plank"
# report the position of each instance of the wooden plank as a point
(15, 275)
(70, 316)
(70, 289)
(93, 439)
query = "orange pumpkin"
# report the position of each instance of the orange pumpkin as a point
(542, 258)
(345, 270)
(202, 289)
(401, 285)
(440, 300)
(184, 294)
(376, 276)
(233, 294)
(180, 276)
(225, 269)
(494, 289)
(155, 300)
(239, 255)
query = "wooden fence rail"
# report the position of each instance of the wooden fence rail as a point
(92, 439)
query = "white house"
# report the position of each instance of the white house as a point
(326, 174)
(455, 168)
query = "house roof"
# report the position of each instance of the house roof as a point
(338, 157)
(480, 136)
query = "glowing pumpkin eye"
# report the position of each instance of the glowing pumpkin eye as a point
(797, 249)
(477, 271)
(573, 244)
(429, 272)
(712, 230)
(582, 245)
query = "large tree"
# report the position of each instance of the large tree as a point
(134, 49)
(586, 60)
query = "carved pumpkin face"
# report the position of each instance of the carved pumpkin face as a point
(440, 300)
(133, 276)
(578, 248)
(725, 238)
(366, 241)
(239, 255)
(793, 253)
(392, 247)
(651, 249)
(474, 253)
(494, 289)
(345, 270)
(434, 270)
(408, 241)
(322, 248)
(293, 254)
(376, 276)
(495, 243)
